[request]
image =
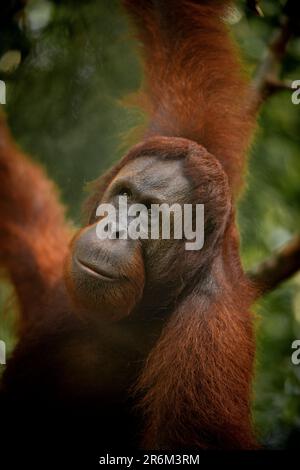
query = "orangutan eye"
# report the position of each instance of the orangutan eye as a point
(125, 192)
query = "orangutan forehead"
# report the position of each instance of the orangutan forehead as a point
(153, 175)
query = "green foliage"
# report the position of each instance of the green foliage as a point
(63, 109)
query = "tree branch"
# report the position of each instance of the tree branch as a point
(269, 69)
(267, 78)
(254, 6)
(278, 268)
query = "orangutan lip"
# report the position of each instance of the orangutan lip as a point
(95, 270)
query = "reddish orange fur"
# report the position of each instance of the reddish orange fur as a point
(196, 387)
(194, 85)
(195, 390)
(33, 232)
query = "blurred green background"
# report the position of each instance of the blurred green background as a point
(78, 60)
